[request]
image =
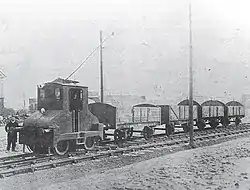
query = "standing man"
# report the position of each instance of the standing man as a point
(10, 128)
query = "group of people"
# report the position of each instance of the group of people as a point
(10, 128)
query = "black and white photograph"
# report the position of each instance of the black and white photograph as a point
(124, 95)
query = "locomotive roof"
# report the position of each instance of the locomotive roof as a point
(233, 103)
(213, 103)
(66, 82)
(186, 103)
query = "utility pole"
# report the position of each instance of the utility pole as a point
(191, 124)
(101, 68)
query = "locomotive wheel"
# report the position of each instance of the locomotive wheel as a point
(62, 147)
(147, 132)
(89, 143)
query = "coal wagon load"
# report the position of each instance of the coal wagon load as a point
(235, 112)
(214, 112)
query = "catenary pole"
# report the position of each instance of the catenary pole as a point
(191, 133)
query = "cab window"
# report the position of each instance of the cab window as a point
(42, 94)
(76, 97)
(50, 97)
(58, 93)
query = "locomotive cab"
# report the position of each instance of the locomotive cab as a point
(62, 121)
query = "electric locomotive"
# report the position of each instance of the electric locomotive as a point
(62, 121)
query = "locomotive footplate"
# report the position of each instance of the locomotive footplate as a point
(78, 135)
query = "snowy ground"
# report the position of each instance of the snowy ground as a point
(222, 166)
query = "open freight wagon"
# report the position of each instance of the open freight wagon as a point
(145, 120)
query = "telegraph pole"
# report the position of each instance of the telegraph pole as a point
(191, 124)
(101, 67)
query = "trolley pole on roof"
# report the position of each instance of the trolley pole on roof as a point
(101, 68)
(191, 124)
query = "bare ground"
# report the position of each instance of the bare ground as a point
(223, 166)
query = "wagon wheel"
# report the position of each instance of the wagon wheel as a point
(237, 121)
(62, 147)
(89, 143)
(201, 125)
(98, 140)
(185, 127)
(72, 146)
(119, 136)
(130, 132)
(170, 129)
(225, 122)
(213, 124)
(147, 132)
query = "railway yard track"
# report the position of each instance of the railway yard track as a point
(25, 163)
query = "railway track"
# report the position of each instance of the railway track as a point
(29, 162)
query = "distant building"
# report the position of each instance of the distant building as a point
(32, 104)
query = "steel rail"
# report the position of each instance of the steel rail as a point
(40, 165)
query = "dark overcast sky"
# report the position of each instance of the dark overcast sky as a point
(147, 56)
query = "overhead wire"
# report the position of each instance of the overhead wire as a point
(86, 59)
